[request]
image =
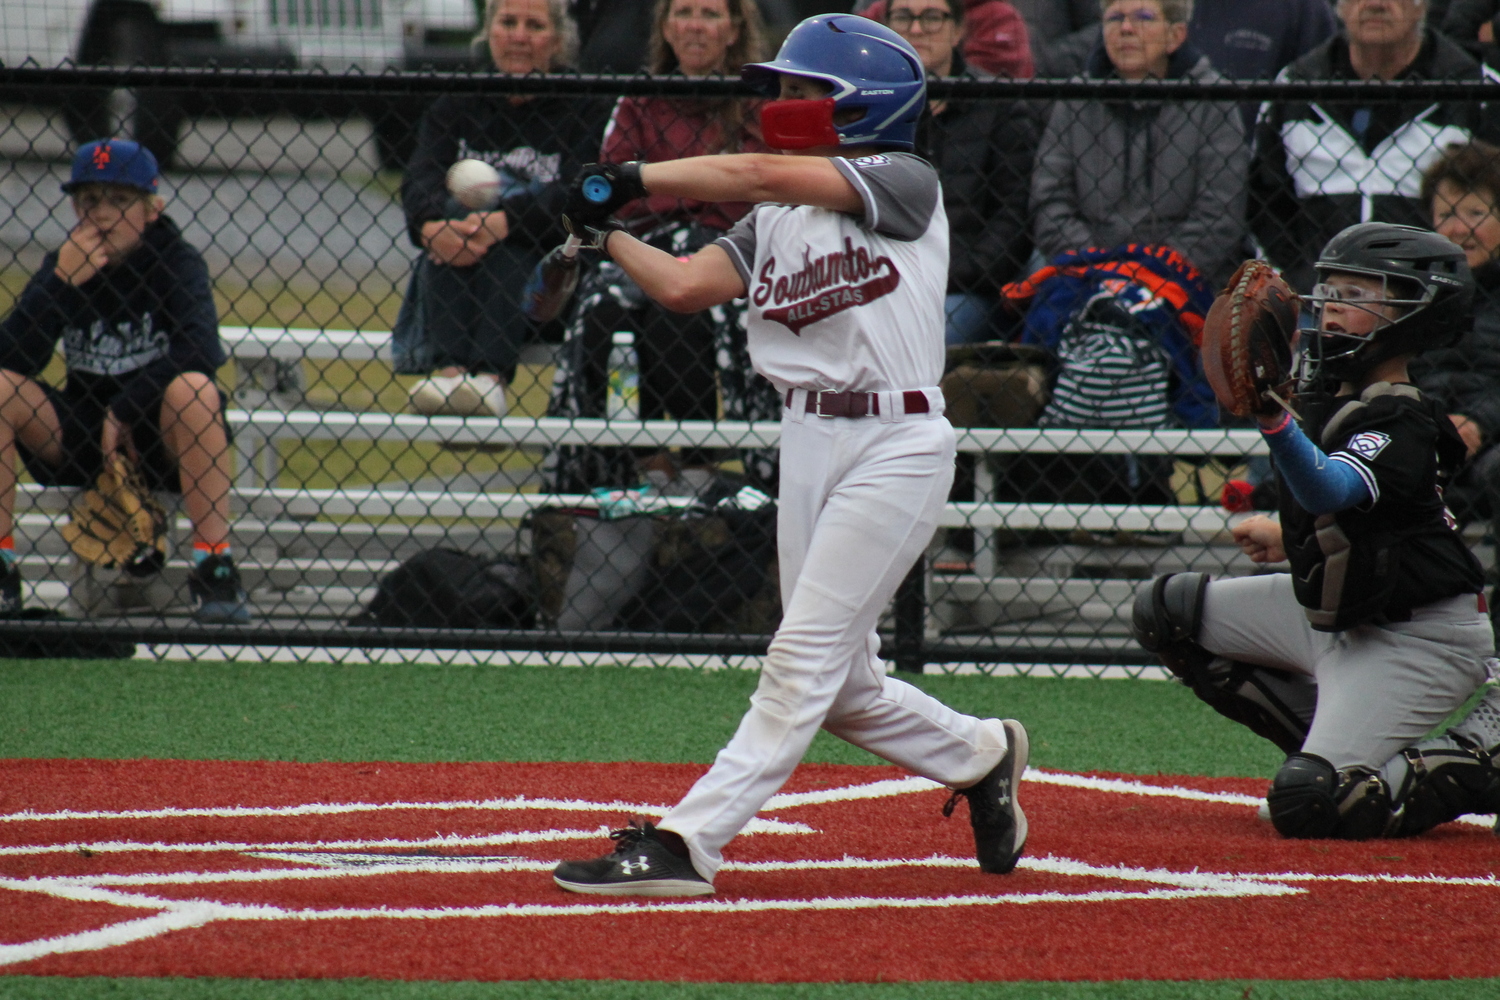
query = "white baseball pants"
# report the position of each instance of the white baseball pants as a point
(860, 499)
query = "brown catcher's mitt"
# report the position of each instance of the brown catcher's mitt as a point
(118, 524)
(1248, 339)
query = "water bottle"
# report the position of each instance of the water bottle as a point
(623, 398)
(552, 283)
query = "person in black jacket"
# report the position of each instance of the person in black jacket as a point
(1471, 23)
(983, 152)
(131, 302)
(1254, 39)
(465, 320)
(1463, 189)
(1322, 166)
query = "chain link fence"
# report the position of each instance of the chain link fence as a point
(407, 460)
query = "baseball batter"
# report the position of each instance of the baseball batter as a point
(844, 262)
(1379, 630)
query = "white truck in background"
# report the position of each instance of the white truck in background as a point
(334, 35)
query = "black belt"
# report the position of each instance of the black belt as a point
(857, 404)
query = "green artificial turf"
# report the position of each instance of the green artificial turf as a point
(310, 712)
(27, 987)
(122, 709)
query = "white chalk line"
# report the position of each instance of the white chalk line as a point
(353, 865)
(1481, 881)
(339, 808)
(788, 800)
(870, 790)
(755, 826)
(179, 914)
(196, 913)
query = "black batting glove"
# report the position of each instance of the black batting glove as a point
(600, 189)
(595, 237)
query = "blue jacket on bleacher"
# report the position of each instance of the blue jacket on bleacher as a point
(1167, 297)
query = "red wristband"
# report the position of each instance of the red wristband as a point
(1281, 425)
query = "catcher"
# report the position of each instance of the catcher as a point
(131, 303)
(1379, 631)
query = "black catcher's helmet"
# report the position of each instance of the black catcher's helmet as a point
(1424, 274)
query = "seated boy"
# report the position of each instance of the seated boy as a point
(131, 303)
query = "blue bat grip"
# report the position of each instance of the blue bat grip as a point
(597, 189)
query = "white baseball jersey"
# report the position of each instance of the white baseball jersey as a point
(845, 303)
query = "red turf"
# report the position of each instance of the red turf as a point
(1363, 929)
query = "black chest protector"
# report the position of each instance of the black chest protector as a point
(1377, 561)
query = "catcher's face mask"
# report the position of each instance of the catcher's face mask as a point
(1351, 310)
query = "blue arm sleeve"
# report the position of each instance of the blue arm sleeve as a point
(1319, 486)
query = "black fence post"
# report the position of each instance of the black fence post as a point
(911, 618)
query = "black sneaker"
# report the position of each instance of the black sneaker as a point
(640, 865)
(218, 597)
(10, 589)
(994, 806)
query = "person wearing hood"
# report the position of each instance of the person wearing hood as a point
(1156, 172)
(131, 303)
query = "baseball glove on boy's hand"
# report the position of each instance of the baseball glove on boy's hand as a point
(1248, 339)
(118, 524)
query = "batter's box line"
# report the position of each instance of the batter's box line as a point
(786, 800)
(848, 793)
(870, 790)
(185, 914)
(331, 866)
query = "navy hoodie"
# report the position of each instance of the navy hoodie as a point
(126, 332)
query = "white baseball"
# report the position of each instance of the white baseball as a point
(474, 184)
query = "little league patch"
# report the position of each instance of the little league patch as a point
(441, 871)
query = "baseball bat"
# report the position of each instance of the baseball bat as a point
(554, 280)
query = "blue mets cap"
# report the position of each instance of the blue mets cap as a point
(113, 161)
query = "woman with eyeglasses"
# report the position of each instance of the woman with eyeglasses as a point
(992, 34)
(1161, 172)
(679, 358)
(1462, 189)
(982, 151)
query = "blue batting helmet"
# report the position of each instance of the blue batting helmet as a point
(870, 67)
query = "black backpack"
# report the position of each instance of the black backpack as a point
(442, 588)
(709, 573)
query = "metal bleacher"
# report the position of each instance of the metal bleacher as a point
(317, 553)
(310, 555)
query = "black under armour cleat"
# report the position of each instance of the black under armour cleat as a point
(994, 807)
(218, 597)
(640, 865)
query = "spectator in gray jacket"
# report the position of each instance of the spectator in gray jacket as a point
(1163, 172)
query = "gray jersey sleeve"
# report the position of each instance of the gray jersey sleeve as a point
(900, 192)
(739, 243)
